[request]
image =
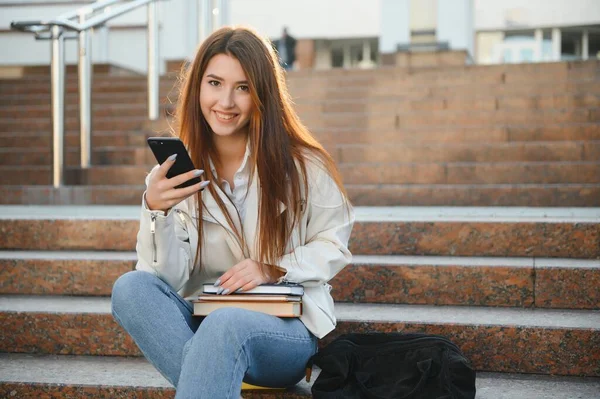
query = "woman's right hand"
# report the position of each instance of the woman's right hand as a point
(161, 193)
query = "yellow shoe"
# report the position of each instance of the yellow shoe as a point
(246, 386)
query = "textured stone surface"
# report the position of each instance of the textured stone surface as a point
(558, 195)
(431, 280)
(489, 152)
(518, 346)
(72, 195)
(442, 238)
(116, 235)
(100, 156)
(472, 173)
(435, 285)
(62, 276)
(477, 239)
(567, 286)
(74, 376)
(538, 195)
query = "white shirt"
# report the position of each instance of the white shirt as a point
(241, 180)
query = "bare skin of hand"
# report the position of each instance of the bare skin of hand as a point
(246, 275)
(161, 193)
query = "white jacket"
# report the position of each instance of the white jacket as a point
(317, 250)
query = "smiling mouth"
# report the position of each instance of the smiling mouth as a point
(224, 117)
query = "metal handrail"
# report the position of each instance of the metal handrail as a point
(57, 30)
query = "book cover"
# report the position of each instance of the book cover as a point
(279, 309)
(264, 289)
(249, 298)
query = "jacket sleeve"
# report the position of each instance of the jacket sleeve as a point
(329, 224)
(163, 247)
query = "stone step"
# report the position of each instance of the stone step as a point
(12, 125)
(37, 139)
(387, 89)
(524, 71)
(383, 84)
(100, 156)
(456, 103)
(316, 90)
(138, 104)
(575, 132)
(72, 110)
(471, 173)
(469, 152)
(435, 231)
(452, 134)
(531, 195)
(465, 173)
(72, 99)
(29, 375)
(301, 94)
(122, 119)
(545, 341)
(106, 86)
(345, 153)
(423, 119)
(42, 72)
(570, 95)
(96, 175)
(76, 195)
(447, 76)
(519, 282)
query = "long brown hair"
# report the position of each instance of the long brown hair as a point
(278, 141)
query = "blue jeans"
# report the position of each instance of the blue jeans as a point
(208, 357)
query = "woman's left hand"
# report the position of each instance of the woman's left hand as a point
(245, 275)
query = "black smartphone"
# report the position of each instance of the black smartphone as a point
(164, 147)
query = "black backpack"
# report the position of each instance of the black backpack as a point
(392, 365)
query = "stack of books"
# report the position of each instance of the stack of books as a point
(281, 300)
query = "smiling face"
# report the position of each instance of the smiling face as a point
(225, 98)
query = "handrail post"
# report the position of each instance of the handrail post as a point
(85, 94)
(57, 72)
(153, 64)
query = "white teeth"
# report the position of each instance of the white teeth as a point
(224, 117)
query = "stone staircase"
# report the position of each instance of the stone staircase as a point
(518, 135)
(511, 274)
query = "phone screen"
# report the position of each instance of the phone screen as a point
(164, 147)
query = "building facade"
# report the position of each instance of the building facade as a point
(332, 33)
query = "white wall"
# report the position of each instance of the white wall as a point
(326, 19)
(493, 14)
(178, 27)
(455, 24)
(395, 24)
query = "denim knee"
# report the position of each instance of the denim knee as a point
(129, 287)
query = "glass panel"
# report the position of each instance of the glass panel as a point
(594, 48)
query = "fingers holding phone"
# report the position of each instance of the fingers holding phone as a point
(176, 179)
(162, 193)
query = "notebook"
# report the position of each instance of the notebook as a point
(264, 289)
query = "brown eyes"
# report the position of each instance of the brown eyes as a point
(216, 83)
